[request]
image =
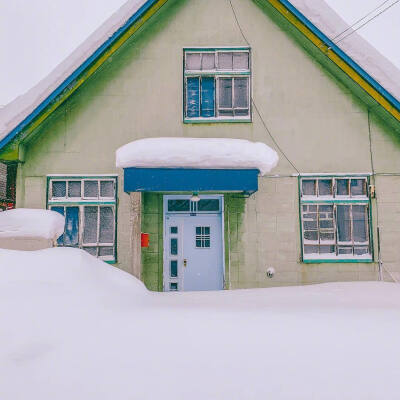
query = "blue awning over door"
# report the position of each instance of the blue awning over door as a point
(190, 180)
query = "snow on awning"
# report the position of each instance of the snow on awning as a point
(202, 153)
(31, 223)
(194, 165)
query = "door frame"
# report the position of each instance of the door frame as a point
(221, 213)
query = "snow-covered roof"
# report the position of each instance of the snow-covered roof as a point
(18, 114)
(31, 223)
(206, 153)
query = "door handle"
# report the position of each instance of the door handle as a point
(185, 263)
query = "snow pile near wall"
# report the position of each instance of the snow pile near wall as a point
(73, 327)
(214, 153)
(31, 223)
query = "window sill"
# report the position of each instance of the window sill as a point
(336, 260)
(215, 120)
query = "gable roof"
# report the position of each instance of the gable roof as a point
(315, 20)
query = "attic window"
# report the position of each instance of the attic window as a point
(217, 85)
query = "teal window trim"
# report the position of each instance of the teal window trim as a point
(64, 203)
(216, 73)
(322, 200)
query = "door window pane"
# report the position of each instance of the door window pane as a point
(106, 188)
(207, 97)
(225, 92)
(343, 223)
(241, 60)
(74, 189)
(71, 226)
(208, 205)
(60, 210)
(193, 97)
(90, 224)
(91, 189)
(174, 246)
(173, 268)
(178, 205)
(59, 189)
(106, 225)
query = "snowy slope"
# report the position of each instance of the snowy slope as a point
(72, 327)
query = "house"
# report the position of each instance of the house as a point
(258, 70)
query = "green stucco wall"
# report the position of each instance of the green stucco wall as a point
(320, 125)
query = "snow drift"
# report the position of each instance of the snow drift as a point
(207, 153)
(73, 327)
(31, 223)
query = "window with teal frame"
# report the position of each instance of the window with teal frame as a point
(217, 85)
(89, 207)
(335, 219)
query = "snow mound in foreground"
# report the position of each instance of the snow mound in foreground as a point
(207, 153)
(31, 223)
(73, 327)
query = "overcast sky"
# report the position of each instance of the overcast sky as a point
(35, 36)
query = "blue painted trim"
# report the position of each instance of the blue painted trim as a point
(341, 54)
(190, 180)
(64, 85)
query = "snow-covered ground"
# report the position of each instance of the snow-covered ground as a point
(73, 327)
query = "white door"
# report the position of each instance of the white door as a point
(193, 248)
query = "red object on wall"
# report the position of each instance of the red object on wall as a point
(145, 239)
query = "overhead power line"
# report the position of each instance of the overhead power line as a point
(366, 22)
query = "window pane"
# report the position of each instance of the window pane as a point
(343, 223)
(193, 61)
(225, 60)
(208, 205)
(311, 249)
(173, 269)
(59, 189)
(178, 205)
(225, 92)
(91, 250)
(173, 286)
(60, 210)
(325, 187)
(71, 236)
(226, 113)
(74, 189)
(311, 235)
(207, 97)
(342, 187)
(359, 251)
(326, 249)
(358, 187)
(173, 229)
(90, 224)
(208, 61)
(360, 226)
(308, 187)
(107, 189)
(106, 225)
(91, 189)
(241, 92)
(241, 60)
(345, 250)
(192, 97)
(106, 251)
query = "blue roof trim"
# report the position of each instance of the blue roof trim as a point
(138, 14)
(190, 180)
(341, 54)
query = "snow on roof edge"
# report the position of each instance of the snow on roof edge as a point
(20, 108)
(205, 153)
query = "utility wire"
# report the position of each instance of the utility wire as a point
(254, 103)
(359, 20)
(365, 23)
